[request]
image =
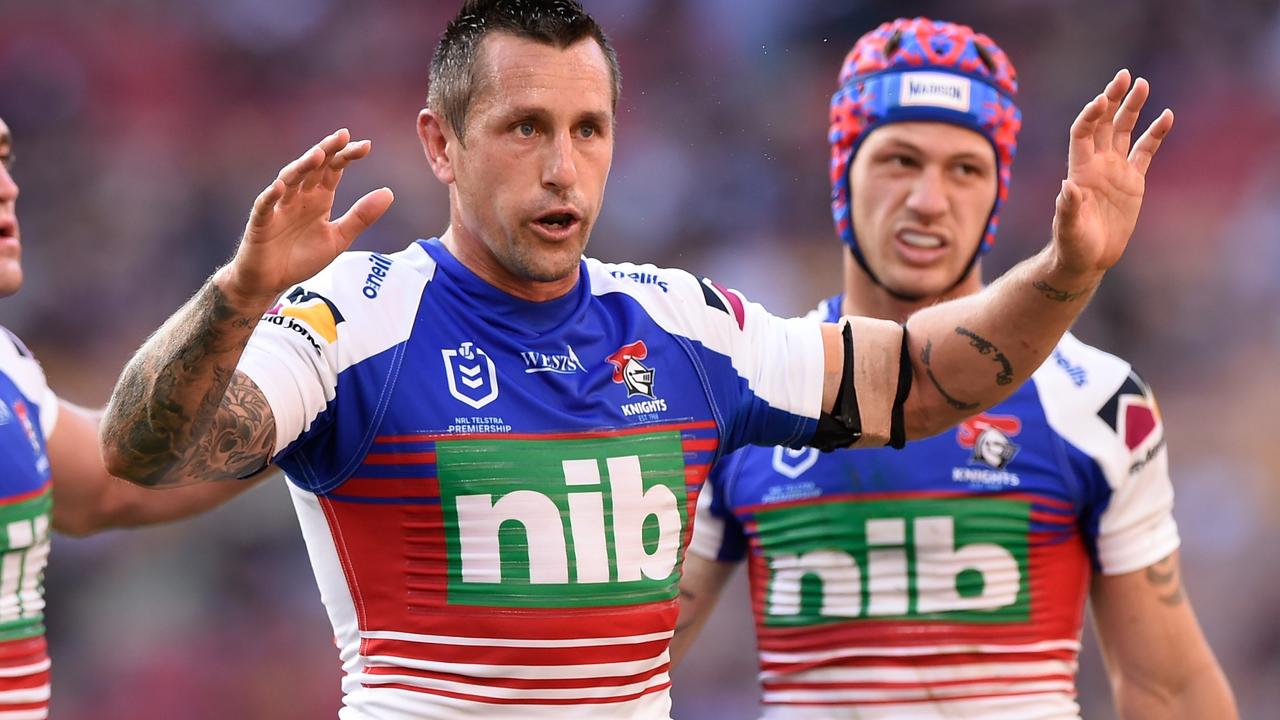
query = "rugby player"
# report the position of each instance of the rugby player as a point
(948, 579)
(52, 476)
(495, 443)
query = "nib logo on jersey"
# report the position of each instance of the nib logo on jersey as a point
(473, 378)
(307, 313)
(637, 378)
(988, 436)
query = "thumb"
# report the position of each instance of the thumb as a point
(366, 211)
(1067, 207)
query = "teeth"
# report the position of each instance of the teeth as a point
(920, 240)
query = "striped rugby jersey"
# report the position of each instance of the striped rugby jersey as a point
(947, 579)
(496, 494)
(28, 411)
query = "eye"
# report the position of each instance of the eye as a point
(902, 160)
(587, 131)
(526, 129)
(970, 170)
(8, 160)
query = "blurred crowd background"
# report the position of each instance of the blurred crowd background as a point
(144, 129)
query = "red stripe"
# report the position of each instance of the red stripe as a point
(949, 698)
(636, 430)
(418, 458)
(524, 683)
(15, 653)
(488, 655)
(14, 499)
(696, 444)
(23, 682)
(391, 487)
(909, 495)
(17, 707)
(527, 701)
(996, 679)
(939, 660)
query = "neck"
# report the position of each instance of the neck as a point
(474, 254)
(864, 297)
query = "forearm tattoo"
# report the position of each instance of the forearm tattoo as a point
(1055, 294)
(167, 434)
(984, 346)
(928, 368)
(1167, 582)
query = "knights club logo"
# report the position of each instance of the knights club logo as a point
(630, 372)
(473, 378)
(989, 438)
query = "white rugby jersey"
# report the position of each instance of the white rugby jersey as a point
(496, 494)
(28, 411)
(947, 579)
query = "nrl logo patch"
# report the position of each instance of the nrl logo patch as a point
(473, 378)
(793, 463)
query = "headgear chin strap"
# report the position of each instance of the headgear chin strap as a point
(922, 70)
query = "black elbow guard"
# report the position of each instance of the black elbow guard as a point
(844, 428)
(898, 423)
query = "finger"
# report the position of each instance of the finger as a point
(331, 146)
(364, 213)
(1114, 94)
(264, 207)
(1145, 149)
(1081, 146)
(352, 152)
(293, 174)
(1127, 116)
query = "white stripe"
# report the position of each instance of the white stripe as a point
(1040, 706)
(33, 714)
(20, 670)
(525, 672)
(929, 693)
(835, 653)
(503, 693)
(511, 642)
(25, 695)
(928, 674)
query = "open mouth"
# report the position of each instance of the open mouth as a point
(924, 241)
(8, 228)
(558, 222)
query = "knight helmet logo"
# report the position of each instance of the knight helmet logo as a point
(989, 437)
(473, 378)
(630, 372)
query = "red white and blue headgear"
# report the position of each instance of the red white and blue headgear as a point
(922, 70)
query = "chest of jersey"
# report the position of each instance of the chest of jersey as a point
(976, 525)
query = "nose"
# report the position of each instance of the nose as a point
(560, 171)
(928, 198)
(8, 187)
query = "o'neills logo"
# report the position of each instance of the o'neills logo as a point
(937, 89)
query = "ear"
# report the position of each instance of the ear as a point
(438, 141)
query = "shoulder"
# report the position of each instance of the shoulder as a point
(1097, 402)
(18, 363)
(677, 300)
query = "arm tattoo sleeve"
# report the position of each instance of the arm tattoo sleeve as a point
(178, 413)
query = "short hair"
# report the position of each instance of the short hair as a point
(559, 23)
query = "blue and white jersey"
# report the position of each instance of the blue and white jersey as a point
(496, 494)
(28, 412)
(947, 579)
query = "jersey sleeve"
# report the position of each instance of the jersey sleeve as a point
(325, 358)
(1136, 527)
(717, 532)
(21, 366)
(763, 373)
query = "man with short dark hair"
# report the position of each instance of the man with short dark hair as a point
(495, 443)
(52, 476)
(948, 579)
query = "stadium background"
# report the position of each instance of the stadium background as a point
(145, 128)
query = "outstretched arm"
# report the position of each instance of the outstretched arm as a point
(181, 411)
(1158, 660)
(87, 499)
(970, 353)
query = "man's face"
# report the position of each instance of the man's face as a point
(10, 246)
(921, 194)
(530, 175)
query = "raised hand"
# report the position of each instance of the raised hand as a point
(1098, 206)
(290, 236)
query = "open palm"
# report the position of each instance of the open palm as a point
(1098, 207)
(290, 237)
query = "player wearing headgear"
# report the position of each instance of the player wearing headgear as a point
(51, 477)
(496, 444)
(948, 579)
